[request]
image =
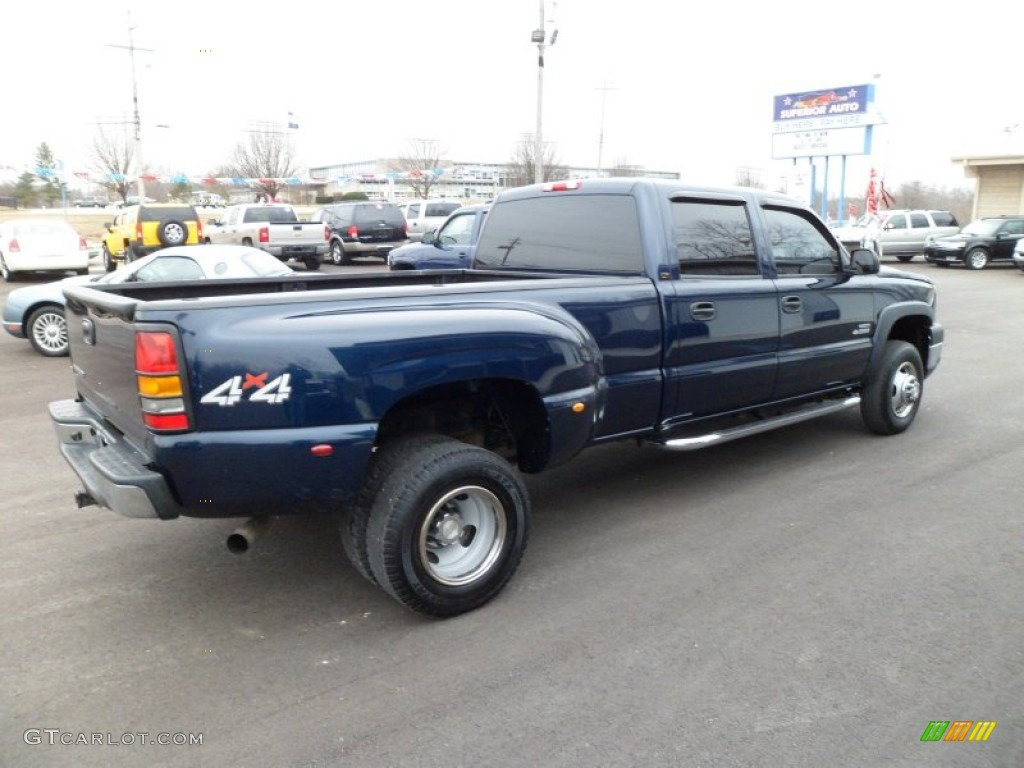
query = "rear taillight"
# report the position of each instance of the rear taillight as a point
(353, 231)
(82, 245)
(138, 232)
(327, 233)
(264, 234)
(13, 246)
(159, 380)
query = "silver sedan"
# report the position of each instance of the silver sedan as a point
(36, 312)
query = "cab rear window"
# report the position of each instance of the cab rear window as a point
(177, 213)
(590, 233)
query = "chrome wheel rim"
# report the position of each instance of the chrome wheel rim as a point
(50, 332)
(978, 259)
(462, 536)
(905, 391)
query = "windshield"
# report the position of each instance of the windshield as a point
(982, 227)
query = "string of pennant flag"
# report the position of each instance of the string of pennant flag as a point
(235, 181)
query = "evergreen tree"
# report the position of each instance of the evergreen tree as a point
(46, 169)
(24, 190)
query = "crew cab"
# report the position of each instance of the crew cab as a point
(274, 228)
(410, 403)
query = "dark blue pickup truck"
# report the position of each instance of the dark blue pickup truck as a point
(410, 402)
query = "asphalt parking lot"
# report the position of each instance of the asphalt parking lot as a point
(813, 596)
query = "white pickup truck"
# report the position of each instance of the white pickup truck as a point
(274, 228)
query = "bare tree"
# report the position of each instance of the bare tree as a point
(113, 156)
(265, 155)
(745, 176)
(520, 168)
(424, 155)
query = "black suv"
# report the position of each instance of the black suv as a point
(362, 228)
(979, 243)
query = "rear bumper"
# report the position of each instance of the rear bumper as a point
(214, 474)
(111, 470)
(295, 251)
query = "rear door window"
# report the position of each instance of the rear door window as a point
(441, 209)
(374, 212)
(174, 213)
(576, 232)
(713, 238)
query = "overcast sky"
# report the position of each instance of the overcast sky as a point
(690, 84)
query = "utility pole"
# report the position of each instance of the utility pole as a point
(132, 48)
(600, 138)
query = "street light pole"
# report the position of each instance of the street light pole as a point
(131, 47)
(538, 136)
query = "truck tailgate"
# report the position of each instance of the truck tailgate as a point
(101, 333)
(299, 233)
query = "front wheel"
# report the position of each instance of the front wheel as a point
(976, 258)
(905, 257)
(893, 391)
(108, 259)
(48, 331)
(448, 527)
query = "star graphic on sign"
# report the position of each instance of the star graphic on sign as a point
(258, 380)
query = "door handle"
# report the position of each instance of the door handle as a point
(791, 304)
(702, 310)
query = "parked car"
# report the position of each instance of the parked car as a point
(142, 229)
(362, 228)
(89, 202)
(1018, 254)
(987, 240)
(900, 234)
(450, 246)
(28, 245)
(422, 216)
(36, 312)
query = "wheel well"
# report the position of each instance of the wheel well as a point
(502, 415)
(915, 329)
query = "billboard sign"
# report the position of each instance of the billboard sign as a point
(822, 143)
(844, 107)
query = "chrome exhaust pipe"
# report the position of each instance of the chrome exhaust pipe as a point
(245, 535)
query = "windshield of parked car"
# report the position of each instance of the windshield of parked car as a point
(982, 227)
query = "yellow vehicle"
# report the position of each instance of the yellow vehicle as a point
(141, 229)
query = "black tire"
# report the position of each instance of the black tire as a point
(133, 252)
(905, 257)
(448, 527)
(357, 516)
(338, 254)
(82, 272)
(5, 271)
(976, 258)
(312, 263)
(172, 232)
(47, 331)
(109, 264)
(892, 393)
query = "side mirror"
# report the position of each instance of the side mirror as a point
(430, 238)
(107, 225)
(865, 261)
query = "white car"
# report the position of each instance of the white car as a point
(36, 312)
(28, 245)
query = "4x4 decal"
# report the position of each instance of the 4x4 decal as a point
(229, 392)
